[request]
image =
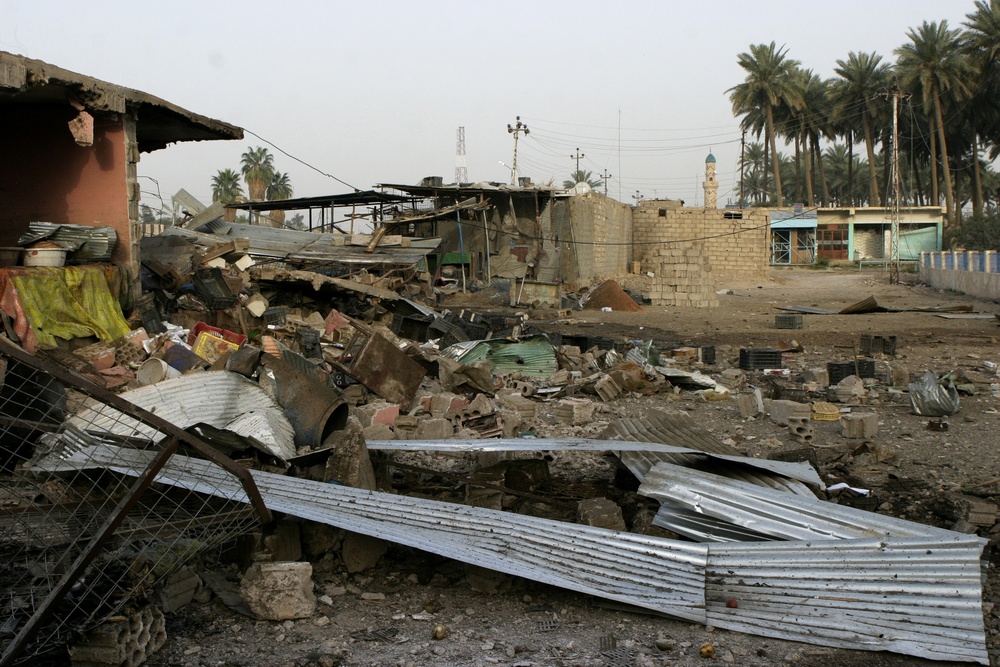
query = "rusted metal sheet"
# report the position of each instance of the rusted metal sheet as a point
(383, 368)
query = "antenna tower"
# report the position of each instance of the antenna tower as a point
(461, 170)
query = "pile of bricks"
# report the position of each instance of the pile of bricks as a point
(683, 276)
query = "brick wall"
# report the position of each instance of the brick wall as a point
(731, 246)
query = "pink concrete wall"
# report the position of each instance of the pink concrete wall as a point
(45, 175)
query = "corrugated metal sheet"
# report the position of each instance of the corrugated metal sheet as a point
(217, 398)
(780, 515)
(86, 242)
(918, 596)
(650, 572)
(681, 430)
(533, 356)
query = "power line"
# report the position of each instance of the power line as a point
(300, 160)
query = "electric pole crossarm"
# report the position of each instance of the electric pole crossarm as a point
(517, 129)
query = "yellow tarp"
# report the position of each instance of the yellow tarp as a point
(69, 302)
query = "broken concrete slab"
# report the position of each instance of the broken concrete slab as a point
(600, 512)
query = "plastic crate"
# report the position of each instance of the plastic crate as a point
(213, 289)
(706, 354)
(152, 321)
(224, 334)
(758, 358)
(788, 321)
(865, 368)
(872, 344)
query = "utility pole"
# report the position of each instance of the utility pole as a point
(516, 130)
(743, 162)
(577, 158)
(894, 92)
(604, 177)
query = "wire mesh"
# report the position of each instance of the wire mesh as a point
(86, 533)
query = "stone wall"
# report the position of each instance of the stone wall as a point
(734, 241)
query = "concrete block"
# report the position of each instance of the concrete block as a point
(434, 428)
(781, 411)
(600, 512)
(607, 388)
(177, 590)
(574, 411)
(800, 430)
(859, 425)
(750, 405)
(446, 403)
(279, 591)
(514, 400)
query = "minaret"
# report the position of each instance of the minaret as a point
(710, 185)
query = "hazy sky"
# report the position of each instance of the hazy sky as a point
(374, 92)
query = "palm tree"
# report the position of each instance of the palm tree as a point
(769, 83)
(257, 166)
(935, 62)
(982, 40)
(583, 176)
(862, 77)
(226, 189)
(280, 187)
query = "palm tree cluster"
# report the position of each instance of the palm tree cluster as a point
(947, 81)
(263, 181)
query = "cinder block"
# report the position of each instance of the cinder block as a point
(607, 388)
(800, 430)
(782, 411)
(859, 425)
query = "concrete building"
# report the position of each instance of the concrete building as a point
(860, 233)
(70, 147)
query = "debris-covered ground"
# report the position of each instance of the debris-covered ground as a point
(414, 608)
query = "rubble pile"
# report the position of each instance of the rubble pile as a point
(369, 415)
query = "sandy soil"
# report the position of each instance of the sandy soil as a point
(526, 624)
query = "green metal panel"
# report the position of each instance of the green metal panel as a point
(912, 243)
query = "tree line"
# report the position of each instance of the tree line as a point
(263, 181)
(949, 122)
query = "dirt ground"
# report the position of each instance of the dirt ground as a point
(386, 616)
